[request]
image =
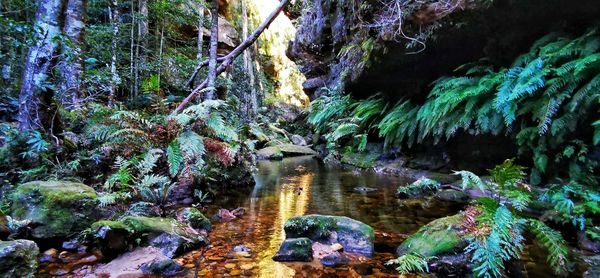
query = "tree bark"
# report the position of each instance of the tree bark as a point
(251, 100)
(114, 79)
(34, 98)
(72, 64)
(214, 43)
(132, 47)
(228, 59)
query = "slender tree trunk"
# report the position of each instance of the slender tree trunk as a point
(72, 64)
(214, 43)
(251, 101)
(200, 32)
(142, 43)
(132, 47)
(160, 51)
(33, 99)
(114, 79)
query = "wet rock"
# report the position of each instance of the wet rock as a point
(163, 268)
(241, 248)
(224, 215)
(353, 235)
(284, 150)
(334, 259)
(170, 244)
(112, 237)
(49, 256)
(194, 218)
(143, 209)
(295, 250)
(365, 189)
(18, 258)
(55, 208)
(452, 196)
(130, 263)
(67, 257)
(238, 212)
(298, 140)
(71, 244)
(439, 237)
(585, 243)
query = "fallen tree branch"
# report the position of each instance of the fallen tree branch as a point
(228, 59)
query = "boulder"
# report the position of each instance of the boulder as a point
(439, 237)
(284, 150)
(162, 268)
(353, 235)
(194, 218)
(223, 215)
(295, 250)
(298, 140)
(335, 259)
(18, 258)
(130, 264)
(452, 195)
(55, 208)
(113, 237)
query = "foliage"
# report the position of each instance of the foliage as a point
(410, 263)
(544, 103)
(418, 187)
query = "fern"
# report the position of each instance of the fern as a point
(470, 180)
(553, 241)
(418, 187)
(410, 263)
(174, 157)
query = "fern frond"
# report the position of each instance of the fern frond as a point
(174, 158)
(553, 241)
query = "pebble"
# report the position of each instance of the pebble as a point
(229, 266)
(235, 272)
(49, 256)
(247, 266)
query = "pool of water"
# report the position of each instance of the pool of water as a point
(304, 185)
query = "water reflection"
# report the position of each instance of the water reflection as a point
(304, 185)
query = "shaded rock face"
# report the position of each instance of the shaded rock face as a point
(295, 250)
(55, 208)
(354, 236)
(18, 258)
(194, 218)
(4, 231)
(170, 236)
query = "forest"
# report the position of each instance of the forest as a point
(299, 138)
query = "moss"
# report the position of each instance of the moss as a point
(194, 217)
(18, 258)
(284, 150)
(441, 236)
(113, 225)
(295, 249)
(58, 208)
(361, 160)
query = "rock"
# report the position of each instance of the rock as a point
(365, 189)
(439, 237)
(157, 225)
(194, 218)
(55, 208)
(71, 244)
(241, 248)
(18, 258)
(49, 256)
(295, 250)
(353, 235)
(334, 259)
(298, 140)
(238, 212)
(130, 263)
(585, 243)
(163, 268)
(284, 150)
(228, 36)
(143, 209)
(224, 215)
(113, 237)
(170, 244)
(452, 196)
(337, 247)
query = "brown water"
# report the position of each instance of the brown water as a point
(303, 185)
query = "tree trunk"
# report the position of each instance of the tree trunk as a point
(251, 100)
(34, 99)
(72, 64)
(160, 51)
(200, 32)
(142, 43)
(132, 47)
(228, 59)
(114, 79)
(214, 43)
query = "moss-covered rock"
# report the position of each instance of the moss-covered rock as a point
(169, 235)
(439, 237)
(353, 235)
(18, 258)
(194, 218)
(284, 150)
(55, 208)
(295, 250)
